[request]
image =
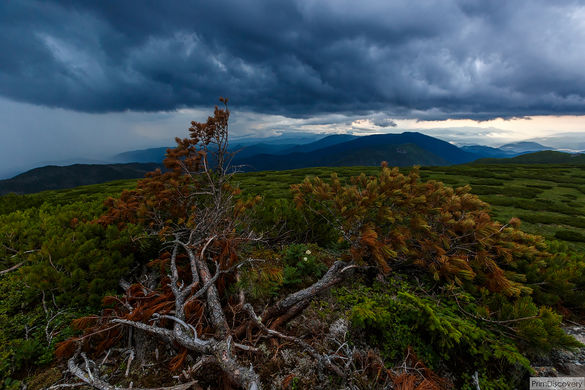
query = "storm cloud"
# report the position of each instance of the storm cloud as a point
(425, 59)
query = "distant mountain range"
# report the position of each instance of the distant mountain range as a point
(406, 149)
(523, 147)
(487, 151)
(271, 145)
(325, 142)
(573, 142)
(507, 150)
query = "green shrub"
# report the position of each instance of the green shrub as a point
(13, 202)
(570, 235)
(281, 220)
(488, 182)
(559, 280)
(68, 265)
(301, 266)
(296, 266)
(66, 257)
(394, 319)
(23, 326)
(489, 333)
(577, 222)
(511, 191)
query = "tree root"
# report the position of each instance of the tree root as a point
(325, 360)
(219, 350)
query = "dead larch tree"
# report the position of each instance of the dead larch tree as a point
(202, 222)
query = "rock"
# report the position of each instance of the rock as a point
(572, 363)
(577, 366)
(578, 332)
(575, 369)
(563, 362)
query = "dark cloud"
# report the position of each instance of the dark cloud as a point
(425, 59)
(384, 122)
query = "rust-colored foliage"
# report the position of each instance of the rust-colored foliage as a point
(396, 219)
(66, 348)
(287, 381)
(166, 201)
(199, 218)
(411, 374)
(177, 362)
(417, 376)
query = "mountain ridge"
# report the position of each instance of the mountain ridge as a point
(374, 149)
(404, 149)
(54, 177)
(524, 147)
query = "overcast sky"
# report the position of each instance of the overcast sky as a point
(91, 79)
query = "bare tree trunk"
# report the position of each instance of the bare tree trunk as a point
(213, 302)
(244, 377)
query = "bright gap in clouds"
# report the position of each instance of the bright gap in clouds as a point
(31, 135)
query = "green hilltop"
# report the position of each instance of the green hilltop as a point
(543, 157)
(68, 264)
(547, 198)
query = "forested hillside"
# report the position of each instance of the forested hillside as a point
(56, 177)
(311, 278)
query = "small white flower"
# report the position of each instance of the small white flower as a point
(305, 259)
(308, 252)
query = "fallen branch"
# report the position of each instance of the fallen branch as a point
(130, 359)
(296, 301)
(13, 268)
(65, 385)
